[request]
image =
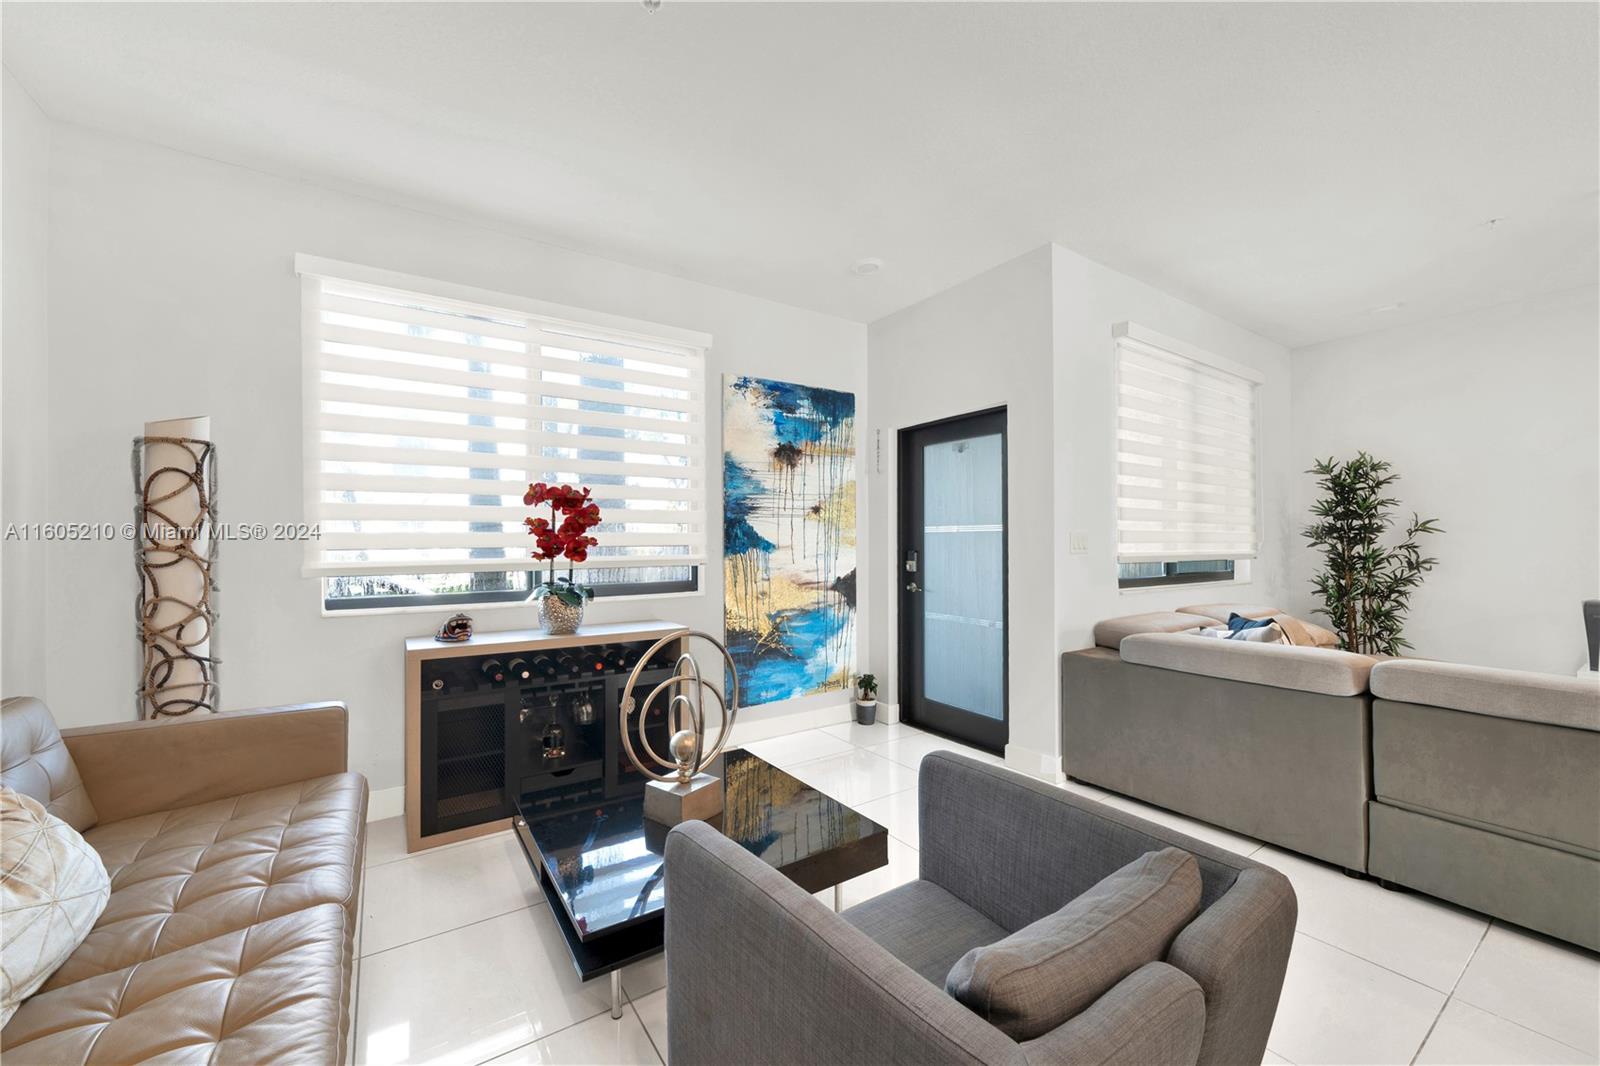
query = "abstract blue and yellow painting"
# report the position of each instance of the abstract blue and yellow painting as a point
(788, 537)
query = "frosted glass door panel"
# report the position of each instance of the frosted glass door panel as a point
(963, 574)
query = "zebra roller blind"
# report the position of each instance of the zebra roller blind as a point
(1186, 453)
(430, 407)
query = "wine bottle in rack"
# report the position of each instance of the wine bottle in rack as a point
(494, 670)
(519, 669)
(545, 667)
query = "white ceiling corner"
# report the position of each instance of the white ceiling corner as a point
(1288, 166)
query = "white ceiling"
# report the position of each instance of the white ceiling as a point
(1289, 166)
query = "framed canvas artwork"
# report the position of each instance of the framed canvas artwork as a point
(789, 537)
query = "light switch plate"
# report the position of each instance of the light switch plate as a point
(1078, 542)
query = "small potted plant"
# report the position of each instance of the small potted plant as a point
(564, 535)
(866, 699)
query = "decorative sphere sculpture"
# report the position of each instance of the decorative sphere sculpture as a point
(683, 745)
(683, 692)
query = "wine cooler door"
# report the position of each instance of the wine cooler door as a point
(463, 763)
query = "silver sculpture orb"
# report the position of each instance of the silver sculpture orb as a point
(683, 746)
(678, 791)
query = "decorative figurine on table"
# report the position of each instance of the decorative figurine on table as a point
(457, 627)
(684, 793)
(564, 535)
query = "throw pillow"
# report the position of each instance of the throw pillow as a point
(1044, 973)
(1306, 634)
(1267, 633)
(53, 887)
(1270, 633)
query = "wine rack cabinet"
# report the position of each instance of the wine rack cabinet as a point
(520, 718)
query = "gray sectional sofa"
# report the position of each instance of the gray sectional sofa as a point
(1475, 785)
(1267, 740)
(1486, 792)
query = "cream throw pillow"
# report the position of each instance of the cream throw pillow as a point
(53, 887)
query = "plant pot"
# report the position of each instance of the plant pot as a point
(559, 618)
(866, 712)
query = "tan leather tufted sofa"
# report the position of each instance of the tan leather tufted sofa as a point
(234, 845)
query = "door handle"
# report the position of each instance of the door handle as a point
(912, 586)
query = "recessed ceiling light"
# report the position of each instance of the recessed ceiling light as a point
(1384, 309)
(866, 267)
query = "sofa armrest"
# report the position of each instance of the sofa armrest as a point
(1155, 1016)
(759, 972)
(1518, 695)
(1237, 950)
(1324, 670)
(1017, 849)
(134, 768)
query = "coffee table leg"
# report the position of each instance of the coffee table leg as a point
(616, 994)
(838, 898)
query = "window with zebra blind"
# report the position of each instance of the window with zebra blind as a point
(1188, 496)
(429, 409)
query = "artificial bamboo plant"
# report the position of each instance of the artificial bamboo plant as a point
(1365, 586)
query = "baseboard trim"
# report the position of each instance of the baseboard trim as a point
(386, 803)
(1042, 765)
(750, 730)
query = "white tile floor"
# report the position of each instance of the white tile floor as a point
(462, 962)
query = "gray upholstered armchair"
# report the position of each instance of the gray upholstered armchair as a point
(759, 972)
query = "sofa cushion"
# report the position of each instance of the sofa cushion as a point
(36, 762)
(1323, 670)
(924, 927)
(1109, 633)
(277, 991)
(185, 876)
(1219, 612)
(1521, 694)
(52, 888)
(1047, 971)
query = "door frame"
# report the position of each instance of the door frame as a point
(904, 680)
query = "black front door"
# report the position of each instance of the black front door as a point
(952, 577)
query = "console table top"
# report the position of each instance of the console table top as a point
(484, 642)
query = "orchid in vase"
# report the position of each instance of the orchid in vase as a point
(564, 535)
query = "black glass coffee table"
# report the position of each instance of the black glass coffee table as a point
(602, 869)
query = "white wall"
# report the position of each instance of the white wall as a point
(1035, 335)
(24, 378)
(1492, 420)
(1089, 300)
(172, 293)
(984, 343)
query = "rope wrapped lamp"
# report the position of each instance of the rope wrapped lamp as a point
(175, 552)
